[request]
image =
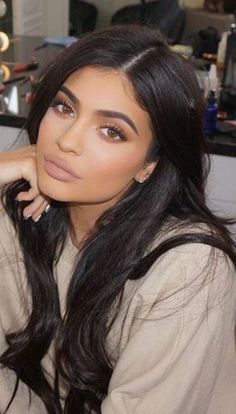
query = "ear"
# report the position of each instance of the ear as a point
(143, 174)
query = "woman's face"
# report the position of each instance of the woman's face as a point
(93, 140)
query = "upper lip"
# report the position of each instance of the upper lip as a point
(60, 164)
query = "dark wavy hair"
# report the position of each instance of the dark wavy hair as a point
(166, 86)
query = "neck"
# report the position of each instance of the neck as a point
(83, 219)
(82, 222)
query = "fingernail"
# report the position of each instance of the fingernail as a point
(47, 208)
(37, 218)
(27, 217)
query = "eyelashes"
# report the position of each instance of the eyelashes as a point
(112, 132)
(63, 107)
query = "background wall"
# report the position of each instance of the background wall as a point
(41, 17)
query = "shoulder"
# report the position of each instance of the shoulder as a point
(185, 270)
(14, 292)
(8, 237)
(186, 286)
(170, 318)
(5, 222)
(189, 263)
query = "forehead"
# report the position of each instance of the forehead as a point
(103, 88)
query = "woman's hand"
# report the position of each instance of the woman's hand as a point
(20, 164)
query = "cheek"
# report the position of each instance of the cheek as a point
(46, 131)
(44, 145)
(115, 162)
(121, 167)
(110, 172)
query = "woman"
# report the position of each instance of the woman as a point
(122, 298)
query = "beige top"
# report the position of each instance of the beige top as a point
(176, 356)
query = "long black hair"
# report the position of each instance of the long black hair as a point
(166, 87)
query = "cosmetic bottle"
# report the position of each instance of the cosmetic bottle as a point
(213, 80)
(210, 115)
(221, 52)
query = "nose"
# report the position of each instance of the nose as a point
(70, 139)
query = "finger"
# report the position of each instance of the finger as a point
(29, 195)
(39, 203)
(42, 210)
(37, 207)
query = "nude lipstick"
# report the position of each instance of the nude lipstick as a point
(58, 169)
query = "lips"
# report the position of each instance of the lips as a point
(59, 169)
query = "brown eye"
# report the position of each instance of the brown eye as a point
(63, 107)
(113, 132)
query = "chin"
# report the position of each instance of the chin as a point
(53, 190)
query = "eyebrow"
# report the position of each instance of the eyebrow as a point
(101, 112)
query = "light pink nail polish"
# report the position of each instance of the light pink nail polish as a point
(37, 218)
(27, 217)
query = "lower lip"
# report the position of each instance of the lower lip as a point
(58, 173)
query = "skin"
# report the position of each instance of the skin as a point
(105, 161)
(20, 163)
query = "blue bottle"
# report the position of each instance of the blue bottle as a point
(210, 115)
